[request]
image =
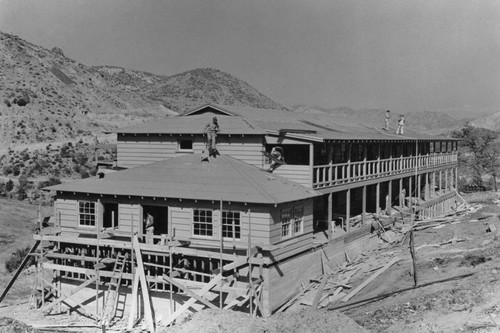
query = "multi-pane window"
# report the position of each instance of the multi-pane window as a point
(286, 221)
(292, 221)
(298, 219)
(202, 222)
(231, 225)
(86, 213)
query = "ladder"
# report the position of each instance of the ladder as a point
(110, 303)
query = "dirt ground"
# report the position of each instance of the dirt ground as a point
(463, 304)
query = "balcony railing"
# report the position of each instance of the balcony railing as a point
(341, 173)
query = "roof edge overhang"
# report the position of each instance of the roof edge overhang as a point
(169, 199)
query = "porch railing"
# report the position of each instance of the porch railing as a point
(341, 173)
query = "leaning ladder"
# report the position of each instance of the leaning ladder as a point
(111, 301)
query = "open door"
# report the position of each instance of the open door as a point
(160, 218)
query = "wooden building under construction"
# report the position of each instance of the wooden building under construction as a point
(226, 232)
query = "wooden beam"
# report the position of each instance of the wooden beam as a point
(192, 300)
(189, 292)
(144, 286)
(370, 279)
(133, 306)
(19, 270)
(317, 298)
(74, 291)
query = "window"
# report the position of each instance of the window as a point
(185, 145)
(231, 225)
(286, 221)
(86, 213)
(292, 221)
(298, 219)
(202, 222)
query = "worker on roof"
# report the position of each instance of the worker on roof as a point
(387, 118)
(401, 125)
(211, 130)
(277, 158)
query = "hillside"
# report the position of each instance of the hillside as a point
(425, 122)
(491, 122)
(47, 97)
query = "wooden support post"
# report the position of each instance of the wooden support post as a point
(401, 200)
(413, 257)
(377, 198)
(389, 209)
(221, 250)
(410, 181)
(250, 282)
(419, 184)
(440, 181)
(170, 258)
(348, 209)
(363, 206)
(96, 266)
(330, 215)
(311, 164)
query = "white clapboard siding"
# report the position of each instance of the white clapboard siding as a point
(132, 152)
(67, 211)
(298, 173)
(127, 212)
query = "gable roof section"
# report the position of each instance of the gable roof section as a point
(186, 177)
(195, 125)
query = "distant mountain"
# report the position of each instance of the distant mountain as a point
(491, 122)
(426, 122)
(47, 97)
(190, 89)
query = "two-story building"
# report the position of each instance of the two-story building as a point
(228, 217)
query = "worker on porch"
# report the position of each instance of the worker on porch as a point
(401, 125)
(150, 228)
(211, 130)
(387, 118)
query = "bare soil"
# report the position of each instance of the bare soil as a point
(463, 304)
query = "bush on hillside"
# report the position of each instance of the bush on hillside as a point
(17, 258)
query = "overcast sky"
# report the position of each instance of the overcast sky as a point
(402, 55)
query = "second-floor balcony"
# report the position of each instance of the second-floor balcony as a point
(342, 173)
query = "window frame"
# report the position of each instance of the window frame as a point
(292, 221)
(233, 226)
(87, 214)
(211, 223)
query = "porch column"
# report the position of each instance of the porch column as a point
(456, 178)
(348, 209)
(311, 163)
(400, 191)
(446, 183)
(426, 184)
(377, 198)
(330, 215)
(419, 183)
(389, 209)
(329, 149)
(410, 181)
(363, 206)
(440, 181)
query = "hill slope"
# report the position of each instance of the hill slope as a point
(46, 97)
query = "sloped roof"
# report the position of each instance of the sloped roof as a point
(326, 126)
(194, 125)
(186, 177)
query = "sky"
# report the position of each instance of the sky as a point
(406, 56)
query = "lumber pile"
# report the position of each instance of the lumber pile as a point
(337, 285)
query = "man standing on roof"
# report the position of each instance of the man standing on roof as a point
(211, 130)
(387, 117)
(401, 125)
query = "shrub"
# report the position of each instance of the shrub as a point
(17, 258)
(9, 186)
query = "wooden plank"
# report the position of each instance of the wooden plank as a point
(370, 279)
(148, 309)
(317, 298)
(192, 300)
(19, 270)
(74, 291)
(133, 306)
(189, 292)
